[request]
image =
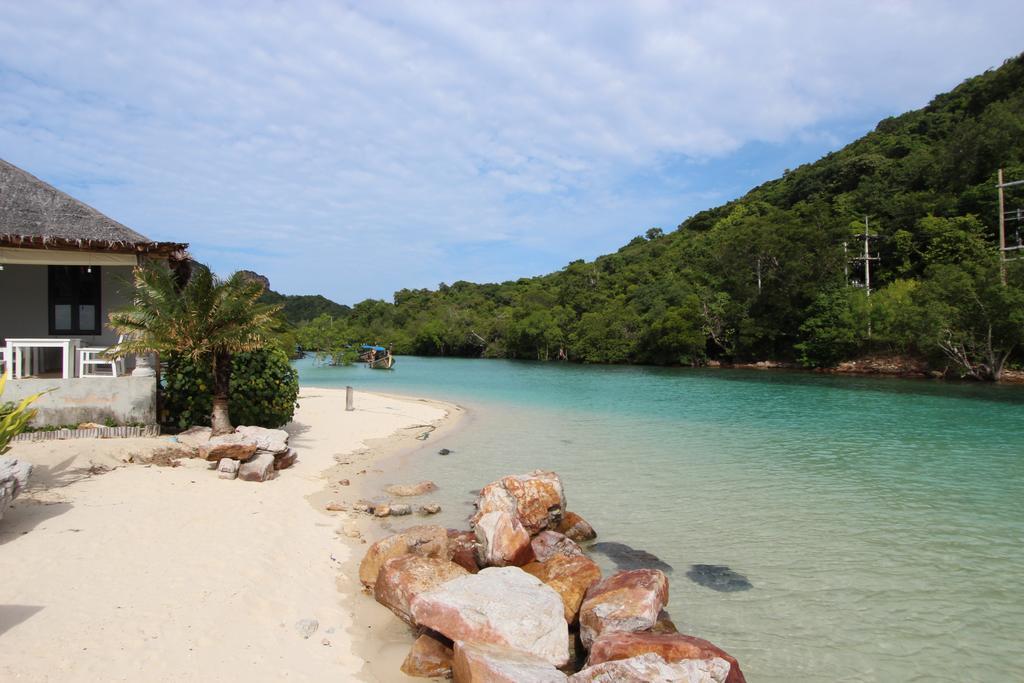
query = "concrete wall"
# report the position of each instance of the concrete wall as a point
(24, 300)
(88, 399)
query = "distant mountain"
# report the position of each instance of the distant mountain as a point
(298, 308)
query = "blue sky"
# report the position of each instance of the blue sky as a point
(352, 149)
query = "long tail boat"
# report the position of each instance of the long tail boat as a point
(377, 357)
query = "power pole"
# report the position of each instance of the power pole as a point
(1002, 225)
(867, 258)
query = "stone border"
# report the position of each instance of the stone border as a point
(96, 433)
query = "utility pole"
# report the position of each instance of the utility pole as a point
(867, 258)
(1002, 225)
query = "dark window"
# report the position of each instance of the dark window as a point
(74, 299)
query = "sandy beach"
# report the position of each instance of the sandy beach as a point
(125, 572)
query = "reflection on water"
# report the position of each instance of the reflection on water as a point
(879, 521)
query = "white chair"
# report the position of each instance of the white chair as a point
(3, 359)
(92, 357)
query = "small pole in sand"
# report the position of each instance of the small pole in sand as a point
(348, 399)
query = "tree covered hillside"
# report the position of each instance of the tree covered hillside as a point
(767, 276)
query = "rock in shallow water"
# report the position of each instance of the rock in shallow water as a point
(501, 606)
(419, 489)
(649, 668)
(576, 528)
(718, 578)
(624, 602)
(536, 499)
(547, 544)
(672, 647)
(627, 558)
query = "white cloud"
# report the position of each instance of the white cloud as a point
(357, 149)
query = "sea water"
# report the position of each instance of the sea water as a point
(856, 529)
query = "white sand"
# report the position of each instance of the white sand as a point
(157, 574)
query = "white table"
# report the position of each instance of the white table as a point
(19, 349)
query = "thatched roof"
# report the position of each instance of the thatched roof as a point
(34, 213)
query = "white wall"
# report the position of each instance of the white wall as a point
(23, 301)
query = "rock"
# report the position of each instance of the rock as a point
(382, 510)
(425, 541)
(429, 509)
(664, 624)
(258, 468)
(536, 499)
(462, 549)
(336, 506)
(502, 540)
(271, 441)
(626, 557)
(227, 468)
(718, 578)
(672, 647)
(650, 667)
(283, 461)
(400, 510)
(307, 627)
(195, 437)
(443, 451)
(627, 601)
(419, 489)
(91, 425)
(570, 576)
(501, 606)
(343, 482)
(402, 578)
(364, 506)
(576, 528)
(428, 658)
(14, 476)
(234, 446)
(482, 663)
(547, 544)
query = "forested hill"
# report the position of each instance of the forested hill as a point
(298, 308)
(767, 276)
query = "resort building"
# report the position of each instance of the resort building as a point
(63, 267)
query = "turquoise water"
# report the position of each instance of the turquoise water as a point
(880, 522)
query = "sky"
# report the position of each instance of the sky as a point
(354, 149)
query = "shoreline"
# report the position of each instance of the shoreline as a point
(119, 571)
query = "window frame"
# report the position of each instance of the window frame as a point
(76, 302)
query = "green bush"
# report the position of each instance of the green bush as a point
(263, 391)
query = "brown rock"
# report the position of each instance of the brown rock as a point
(664, 624)
(672, 647)
(481, 663)
(462, 549)
(626, 601)
(576, 528)
(429, 509)
(425, 541)
(502, 541)
(546, 544)
(336, 506)
(400, 509)
(650, 667)
(283, 461)
(343, 482)
(536, 499)
(419, 489)
(381, 510)
(258, 468)
(569, 576)
(234, 446)
(428, 658)
(501, 606)
(402, 578)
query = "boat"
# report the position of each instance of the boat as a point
(377, 357)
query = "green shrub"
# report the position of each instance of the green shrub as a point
(263, 391)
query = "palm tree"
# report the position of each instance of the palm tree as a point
(205, 319)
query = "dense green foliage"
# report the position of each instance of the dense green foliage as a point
(263, 391)
(768, 276)
(297, 308)
(14, 417)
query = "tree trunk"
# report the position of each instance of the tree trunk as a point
(220, 420)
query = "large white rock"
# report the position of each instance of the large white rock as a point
(272, 441)
(14, 476)
(501, 606)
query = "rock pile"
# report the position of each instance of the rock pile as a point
(248, 453)
(14, 476)
(517, 599)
